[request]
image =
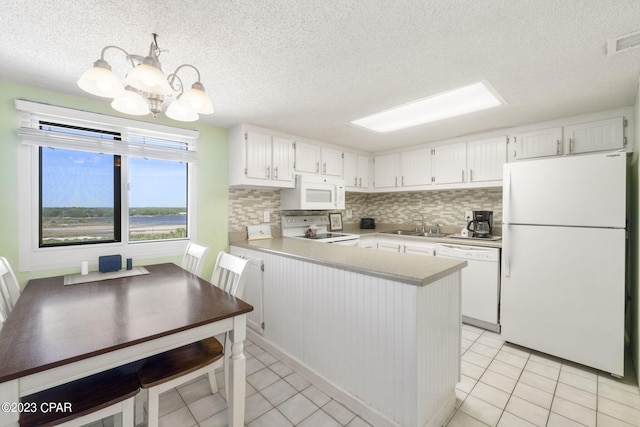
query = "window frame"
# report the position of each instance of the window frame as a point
(32, 257)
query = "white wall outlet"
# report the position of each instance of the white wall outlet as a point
(266, 216)
(349, 213)
(468, 215)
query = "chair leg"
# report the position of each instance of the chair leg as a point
(128, 413)
(225, 368)
(212, 381)
(139, 406)
(153, 408)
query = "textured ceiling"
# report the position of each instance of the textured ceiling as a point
(308, 67)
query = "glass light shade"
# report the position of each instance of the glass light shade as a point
(181, 112)
(131, 103)
(101, 81)
(148, 78)
(197, 99)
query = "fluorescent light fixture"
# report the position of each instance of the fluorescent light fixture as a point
(452, 103)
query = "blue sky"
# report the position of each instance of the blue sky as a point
(80, 179)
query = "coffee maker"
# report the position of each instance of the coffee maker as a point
(482, 224)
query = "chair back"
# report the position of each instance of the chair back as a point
(229, 273)
(9, 287)
(193, 256)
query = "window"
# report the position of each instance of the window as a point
(93, 185)
(79, 197)
(157, 199)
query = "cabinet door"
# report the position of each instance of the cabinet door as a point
(363, 171)
(331, 162)
(450, 163)
(253, 290)
(386, 170)
(282, 159)
(307, 157)
(420, 249)
(595, 136)
(415, 167)
(258, 155)
(369, 242)
(539, 143)
(389, 245)
(350, 170)
(486, 158)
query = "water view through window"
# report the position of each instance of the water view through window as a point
(80, 198)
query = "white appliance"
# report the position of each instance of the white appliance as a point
(313, 192)
(296, 226)
(480, 282)
(563, 261)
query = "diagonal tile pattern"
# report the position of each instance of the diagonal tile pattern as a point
(501, 385)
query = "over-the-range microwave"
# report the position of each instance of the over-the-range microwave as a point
(313, 192)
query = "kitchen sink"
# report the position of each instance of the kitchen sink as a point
(404, 232)
(432, 234)
(415, 233)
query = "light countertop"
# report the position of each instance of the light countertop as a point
(412, 269)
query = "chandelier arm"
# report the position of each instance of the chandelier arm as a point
(175, 73)
(129, 57)
(176, 86)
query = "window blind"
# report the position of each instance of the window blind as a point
(48, 126)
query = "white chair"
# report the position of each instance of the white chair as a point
(193, 256)
(175, 367)
(87, 400)
(9, 287)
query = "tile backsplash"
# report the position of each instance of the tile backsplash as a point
(445, 207)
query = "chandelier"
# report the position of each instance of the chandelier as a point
(146, 87)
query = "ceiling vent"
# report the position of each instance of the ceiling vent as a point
(621, 44)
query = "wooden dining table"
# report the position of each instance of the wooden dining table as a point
(57, 333)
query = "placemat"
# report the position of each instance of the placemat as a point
(94, 276)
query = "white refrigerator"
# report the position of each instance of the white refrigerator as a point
(563, 258)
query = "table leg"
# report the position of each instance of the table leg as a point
(237, 372)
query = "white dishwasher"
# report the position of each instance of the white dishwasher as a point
(480, 282)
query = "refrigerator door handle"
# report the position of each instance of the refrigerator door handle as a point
(506, 251)
(505, 226)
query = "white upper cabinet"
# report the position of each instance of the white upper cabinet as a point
(311, 158)
(538, 143)
(449, 163)
(485, 159)
(356, 171)
(257, 158)
(307, 157)
(595, 136)
(416, 167)
(331, 162)
(281, 159)
(386, 171)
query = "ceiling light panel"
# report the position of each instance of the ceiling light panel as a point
(452, 103)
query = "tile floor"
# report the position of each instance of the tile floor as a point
(502, 385)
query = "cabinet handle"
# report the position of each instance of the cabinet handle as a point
(268, 172)
(324, 168)
(275, 172)
(396, 181)
(462, 175)
(356, 181)
(558, 146)
(470, 175)
(317, 167)
(402, 181)
(570, 145)
(360, 184)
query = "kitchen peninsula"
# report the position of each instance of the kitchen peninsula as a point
(382, 327)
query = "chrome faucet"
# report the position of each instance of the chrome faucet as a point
(422, 220)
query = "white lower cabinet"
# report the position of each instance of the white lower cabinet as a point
(253, 293)
(389, 245)
(368, 242)
(420, 248)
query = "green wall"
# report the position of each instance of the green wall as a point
(212, 186)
